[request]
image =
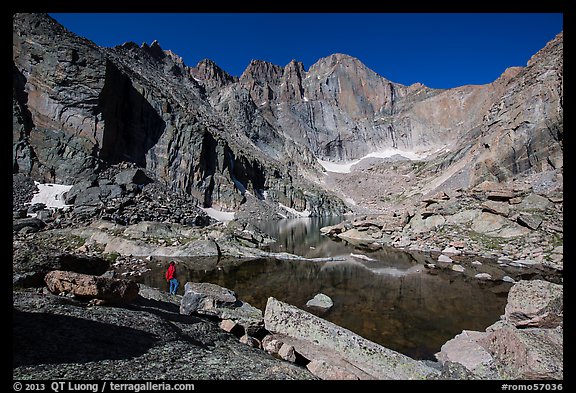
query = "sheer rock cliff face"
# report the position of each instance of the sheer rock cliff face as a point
(78, 107)
(58, 78)
(523, 128)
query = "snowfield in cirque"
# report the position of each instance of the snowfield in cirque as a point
(52, 195)
(385, 153)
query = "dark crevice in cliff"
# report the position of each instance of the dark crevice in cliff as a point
(131, 125)
(556, 131)
(23, 157)
(244, 172)
(208, 165)
(21, 97)
(334, 149)
(392, 133)
(392, 99)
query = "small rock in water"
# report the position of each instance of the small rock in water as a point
(458, 268)
(361, 256)
(320, 301)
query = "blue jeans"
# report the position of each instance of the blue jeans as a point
(173, 286)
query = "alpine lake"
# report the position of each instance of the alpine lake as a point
(387, 296)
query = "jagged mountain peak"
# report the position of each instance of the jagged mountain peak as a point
(343, 64)
(207, 63)
(261, 70)
(154, 50)
(208, 71)
(37, 22)
(294, 65)
(339, 58)
(294, 61)
(43, 25)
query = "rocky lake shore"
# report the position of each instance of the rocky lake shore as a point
(138, 332)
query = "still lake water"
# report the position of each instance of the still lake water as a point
(391, 299)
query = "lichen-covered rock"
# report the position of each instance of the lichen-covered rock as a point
(147, 340)
(320, 301)
(535, 303)
(530, 353)
(327, 371)
(212, 299)
(342, 344)
(205, 297)
(466, 349)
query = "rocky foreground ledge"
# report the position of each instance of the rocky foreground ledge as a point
(64, 337)
(82, 326)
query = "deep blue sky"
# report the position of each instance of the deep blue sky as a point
(438, 50)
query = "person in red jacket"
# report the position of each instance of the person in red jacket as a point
(171, 278)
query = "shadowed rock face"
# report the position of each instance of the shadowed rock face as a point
(57, 92)
(132, 126)
(78, 108)
(59, 336)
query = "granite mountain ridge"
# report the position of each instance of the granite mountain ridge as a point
(78, 108)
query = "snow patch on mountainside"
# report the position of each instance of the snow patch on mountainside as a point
(384, 153)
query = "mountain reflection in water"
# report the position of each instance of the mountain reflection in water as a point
(386, 296)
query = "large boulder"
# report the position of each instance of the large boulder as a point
(535, 303)
(498, 226)
(77, 189)
(419, 224)
(466, 349)
(325, 370)
(363, 237)
(89, 286)
(527, 343)
(214, 300)
(529, 220)
(205, 298)
(133, 175)
(31, 261)
(495, 207)
(532, 353)
(534, 202)
(321, 340)
(31, 222)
